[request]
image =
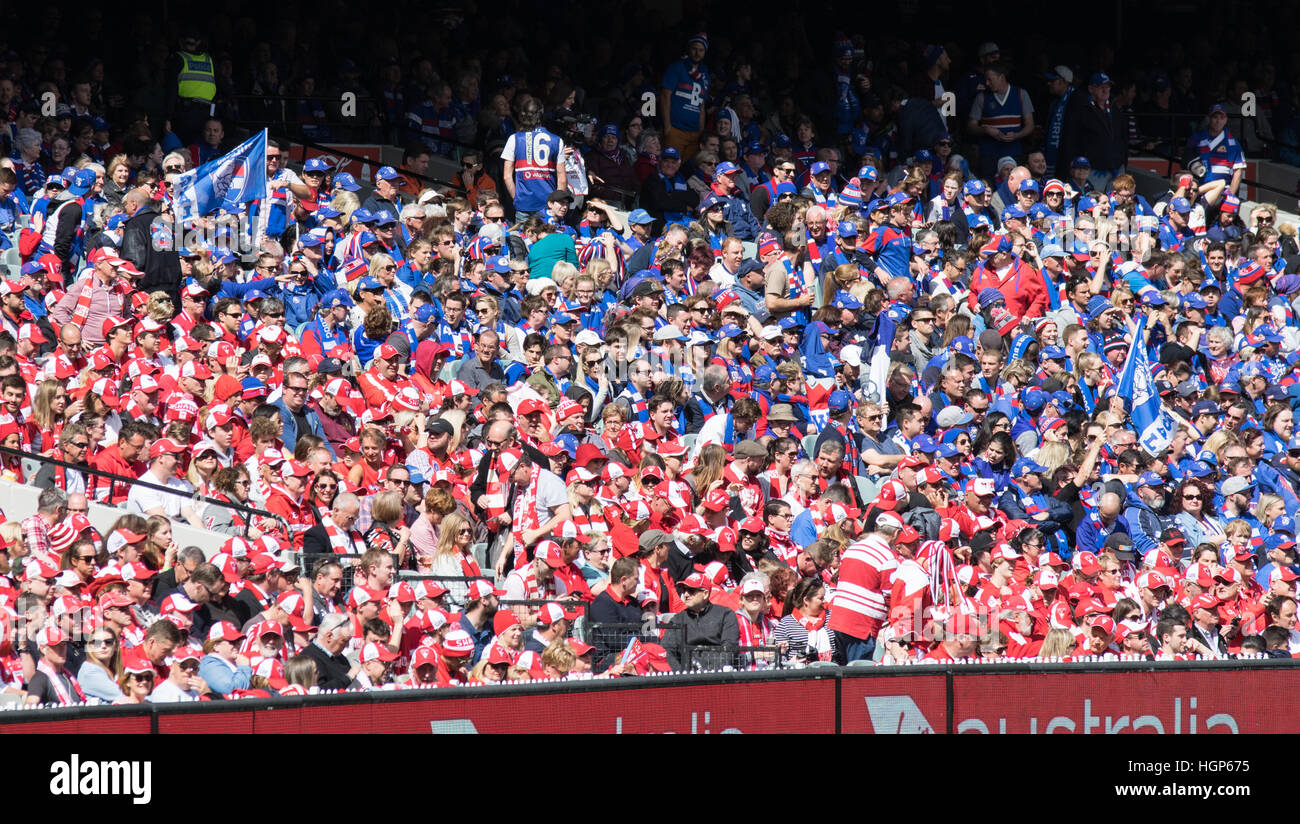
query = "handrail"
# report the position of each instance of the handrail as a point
(129, 481)
(1173, 157)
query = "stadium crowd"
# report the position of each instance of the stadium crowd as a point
(701, 388)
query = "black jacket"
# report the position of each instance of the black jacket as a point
(710, 626)
(1092, 132)
(611, 641)
(66, 234)
(161, 267)
(331, 670)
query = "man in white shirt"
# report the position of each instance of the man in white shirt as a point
(164, 457)
(183, 682)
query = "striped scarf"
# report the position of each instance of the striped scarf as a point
(349, 544)
(524, 515)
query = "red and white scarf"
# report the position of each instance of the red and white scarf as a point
(524, 515)
(57, 680)
(349, 544)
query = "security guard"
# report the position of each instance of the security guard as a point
(196, 87)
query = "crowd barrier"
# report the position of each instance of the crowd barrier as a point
(1199, 697)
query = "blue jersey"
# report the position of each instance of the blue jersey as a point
(536, 155)
(688, 88)
(1007, 116)
(1221, 154)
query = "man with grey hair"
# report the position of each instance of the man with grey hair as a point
(333, 670)
(711, 398)
(51, 508)
(336, 533)
(74, 446)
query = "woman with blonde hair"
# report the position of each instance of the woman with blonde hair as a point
(117, 179)
(710, 464)
(50, 411)
(387, 532)
(1059, 643)
(453, 556)
(427, 531)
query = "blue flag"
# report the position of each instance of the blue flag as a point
(1155, 426)
(227, 182)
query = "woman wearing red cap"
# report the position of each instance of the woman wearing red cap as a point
(138, 677)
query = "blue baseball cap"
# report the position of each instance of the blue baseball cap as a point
(384, 218)
(764, 373)
(1180, 205)
(1200, 469)
(254, 294)
(839, 400)
(327, 211)
(845, 300)
(1099, 79)
(1052, 353)
(847, 228)
(223, 256)
(1041, 211)
(313, 238)
(731, 330)
(81, 182)
(346, 182)
(569, 443)
(386, 173)
(1150, 479)
(1027, 466)
(924, 443)
(1064, 400)
(877, 203)
(819, 167)
(947, 450)
(712, 202)
(316, 165)
(417, 477)
(425, 313)
(781, 141)
(1080, 163)
(755, 148)
(640, 217)
(962, 345)
(670, 153)
(1051, 250)
(725, 168)
(336, 297)
(1029, 185)
(369, 284)
(1194, 301)
(1034, 399)
(898, 199)
(868, 173)
(561, 318)
(253, 387)
(1013, 213)
(1284, 523)
(363, 216)
(923, 156)
(974, 187)
(787, 323)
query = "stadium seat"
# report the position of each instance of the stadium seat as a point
(809, 441)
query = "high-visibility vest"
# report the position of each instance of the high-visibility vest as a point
(197, 78)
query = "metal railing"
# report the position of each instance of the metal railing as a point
(1184, 121)
(132, 482)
